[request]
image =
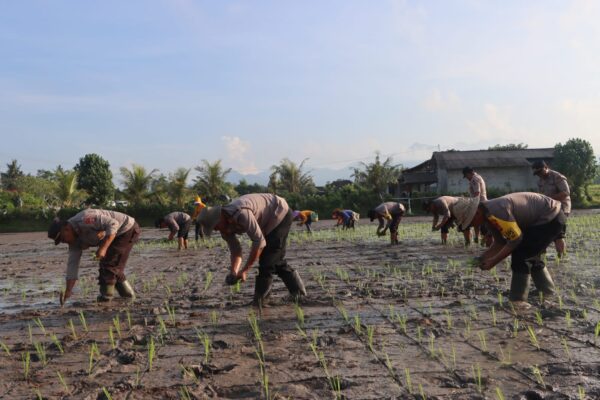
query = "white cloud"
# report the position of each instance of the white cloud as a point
(438, 101)
(495, 123)
(237, 155)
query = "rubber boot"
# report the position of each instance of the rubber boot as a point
(519, 290)
(543, 281)
(293, 283)
(125, 290)
(107, 292)
(262, 289)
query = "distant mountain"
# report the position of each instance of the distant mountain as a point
(320, 175)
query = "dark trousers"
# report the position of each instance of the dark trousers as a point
(395, 222)
(272, 258)
(535, 241)
(184, 230)
(112, 267)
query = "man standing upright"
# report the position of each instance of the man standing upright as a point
(554, 185)
(476, 189)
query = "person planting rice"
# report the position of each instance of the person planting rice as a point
(523, 225)
(306, 218)
(476, 189)
(198, 207)
(179, 223)
(114, 234)
(391, 212)
(206, 221)
(554, 185)
(266, 219)
(443, 206)
(345, 218)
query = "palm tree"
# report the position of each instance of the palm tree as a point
(137, 182)
(10, 178)
(210, 181)
(66, 187)
(177, 183)
(289, 177)
(377, 176)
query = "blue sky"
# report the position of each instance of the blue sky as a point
(166, 84)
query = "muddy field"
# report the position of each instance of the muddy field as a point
(410, 321)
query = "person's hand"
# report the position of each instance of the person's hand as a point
(486, 264)
(243, 275)
(435, 228)
(100, 253)
(231, 279)
(63, 296)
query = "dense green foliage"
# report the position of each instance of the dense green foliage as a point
(95, 177)
(576, 160)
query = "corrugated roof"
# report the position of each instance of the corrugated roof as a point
(490, 158)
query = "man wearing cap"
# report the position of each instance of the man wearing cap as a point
(266, 219)
(554, 185)
(206, 221)
(443, 206)
(114, 234)
(476, 189)
(179, 223)
(523, 225)
(391, 212)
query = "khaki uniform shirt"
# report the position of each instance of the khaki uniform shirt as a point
(257, 214)
(389, 208)
(509, 215)
(176, 218)
(477, 185)
(553, 184)
(443, 207)
(91, 226)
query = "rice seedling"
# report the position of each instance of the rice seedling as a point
(448, 319)
(94, 352)
(40, 325)
(370, 332)
(538, 376)
(111, 338)
(421, 392)
(5, 348)
(26, 359)
(151, 353)
(476, 370)
(499, 394)
(206, 343)
(533, 337)
(208, 280)
(30, 333)
(505, 358)
(402, 320)
(214, 318)
(538, 318)
(482, 341)
(184, 393)
(117, 325)
(565, 344)
(62, 381)
(83, 321)
(299, 314)
(357, 324)
(581, 392)
(493, 314)
(106, 393)
(40, 350)
(596, 332)
(408, 380)
(515, 325)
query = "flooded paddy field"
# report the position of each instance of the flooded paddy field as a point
(410, 321)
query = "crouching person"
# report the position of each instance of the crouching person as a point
(179, 223)
(523, 225)
(391, 212)
(443, 206)
(266, 219)
(114, 234)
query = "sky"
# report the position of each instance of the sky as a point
(166, 84)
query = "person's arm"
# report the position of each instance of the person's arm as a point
(247, 219)
(381, 228)
(110, 226)
(501, 247)
(72, 273)
(563, 187)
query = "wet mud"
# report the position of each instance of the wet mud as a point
(409, 321)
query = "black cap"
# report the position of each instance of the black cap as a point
(538, 165)
(467, 170)
(55, 228)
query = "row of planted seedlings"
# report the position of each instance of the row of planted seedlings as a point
(440, 343)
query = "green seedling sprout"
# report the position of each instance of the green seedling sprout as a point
(453, 348)
(532, 337)
(151, 353)
(205, 341)
(111, 337)
(538, 376)
(40, 350)
(209, 279)
(184, 393)
(493, 312)
(7, 351)
(505, 359)
(106, 393)
(448, 319)
(62, 382)
(357, 326)
(299, 314)
(30, 333)
(26, 358)
(72, 328)
(94, 352)
(499, 394)
(515, 327)
(581, 392)
(336, 387)
(402, 320)
(482, 341)
(57, 343)
(370, 332)
(83, 322)
(214, 318)
(408, 381)
(565, 344)
(117, 324)
(422, 392)
(344, 313)
(568, 319)
(584, 314)
(40, 324)
(419, 334)
(432, 352)
(476, 369)
(538, 318)
(596, 332)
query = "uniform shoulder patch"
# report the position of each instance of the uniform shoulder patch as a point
(508, 229)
